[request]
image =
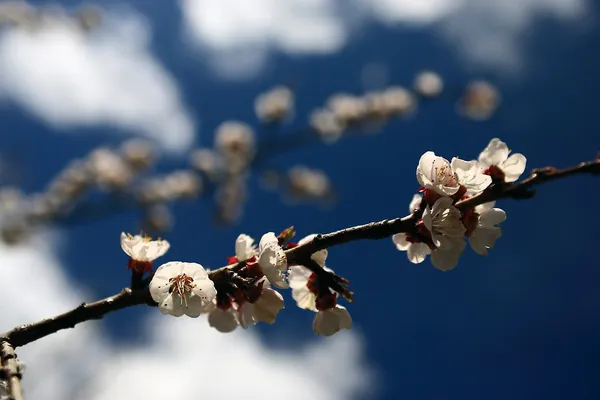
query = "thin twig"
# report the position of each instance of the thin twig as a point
(10, 370)
(299, 255)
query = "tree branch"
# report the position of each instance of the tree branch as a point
(300, 255)
(10, 370)
(24, 334)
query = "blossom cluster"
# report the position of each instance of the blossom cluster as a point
(443, 226)
(241, 294)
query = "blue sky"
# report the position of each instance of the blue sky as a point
(519, 323)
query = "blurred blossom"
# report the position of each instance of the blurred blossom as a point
(184, 184)
(17, 13)
(479, 100)
(428, 84)
(347, 108)
(157, 218)
(327, 125)
(208, 163)
(71, 182)
(398, 101)
(236, 142)
(41, 208)
(309, 184)
(14, 233)
(138, 154)
(274, 105)
(108, 169)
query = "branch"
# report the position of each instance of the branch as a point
(300, 255)
(10, 370)
(524, 189)
(25, 334)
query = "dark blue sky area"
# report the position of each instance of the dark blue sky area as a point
(522, 323)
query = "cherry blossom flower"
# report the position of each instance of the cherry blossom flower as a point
(320, 256)
(486, 230)
(470, 175)
(310, 295)
(443, 222)
(416, 250)
(182, 288)
(435, 173)
(327, 322)
(495, 161)
(143, 248)
(272, 260)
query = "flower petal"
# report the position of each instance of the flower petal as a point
(223, 321)
(400, 241)
(513, 167)
(298, 276)
(445, 260)
(495, 153)
(417, 252)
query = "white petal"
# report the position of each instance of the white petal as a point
(267, 240)
(417, 252)
(400, 241)
(223, 321)
(276, 278)
(495, 153)
(194, 306)
(268, 305)
(484, 238)
(415, 203)
(153, 249)
(244, 247)
(446, 260)
(171, 305)
(159, 287)
(480, 209)
(205, 289)
(128, 241)
(424, 168)
(492, 217)
(513, 167)
(299, 276)
(427, 218)
(470, 175)
(246, 315)
(305, 298)
(440, 241)
(328, 322)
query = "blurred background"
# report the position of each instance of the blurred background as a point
(121, 116)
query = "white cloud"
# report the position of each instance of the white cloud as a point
(179, 358)
(487, 33)
(239, 34)
(71, 79)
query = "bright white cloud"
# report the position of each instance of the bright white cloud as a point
(239, 34)
(179, 358)
(71, 79)
(487, 33)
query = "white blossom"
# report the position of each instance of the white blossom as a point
(415, 203)
(275, 104)
(443, 222)
(470, 175)
(330, 321)
(435, 173)
(142, 248)
(272, 260)
(497, 154)
(486, 231)
(182, 288)
(244, 247)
